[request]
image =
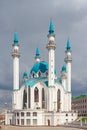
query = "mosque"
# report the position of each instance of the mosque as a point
(43, 99)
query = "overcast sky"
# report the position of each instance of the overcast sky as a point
(30, 18)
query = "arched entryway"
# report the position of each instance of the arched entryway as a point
(48, 122)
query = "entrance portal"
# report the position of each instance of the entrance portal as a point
(48, 122)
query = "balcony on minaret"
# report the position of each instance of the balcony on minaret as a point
(15, 53)
(68, 58)
(51, 45)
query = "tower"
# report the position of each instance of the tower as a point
(68, 61)
(51, 52)
(51, 61)
(15, 55)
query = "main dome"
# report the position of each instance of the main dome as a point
(41, 66)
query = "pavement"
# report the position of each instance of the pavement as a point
(4, 127)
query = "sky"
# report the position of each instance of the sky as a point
(30, 19)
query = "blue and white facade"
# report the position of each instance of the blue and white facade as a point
(43, 98)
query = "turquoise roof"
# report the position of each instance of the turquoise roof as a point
(25, 75)
(64, 68)
(32, 82)
(40, 67)
(51, 28)
(68, 45)
(37, 53)
(16, 38)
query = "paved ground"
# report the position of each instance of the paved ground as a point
(37, 128)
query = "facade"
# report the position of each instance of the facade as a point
(80, 104)
(43, 98)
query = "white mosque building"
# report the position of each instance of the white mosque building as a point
(43, 99)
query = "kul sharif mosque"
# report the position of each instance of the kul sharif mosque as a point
(43, 99)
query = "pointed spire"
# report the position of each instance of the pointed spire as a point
(68, 48)
(15, 38)
(51, 28)
(63, 68)
(37, 53)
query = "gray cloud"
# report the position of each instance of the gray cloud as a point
(31, 20)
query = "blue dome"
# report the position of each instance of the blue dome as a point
(25, 75)
(40, 67)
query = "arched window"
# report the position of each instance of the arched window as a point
(39, 74)
(43, 94)
(24, 99)
(29, 97)
(46, 74)
(43, 98)
(33, 75)
(36, 95)
(58, 100)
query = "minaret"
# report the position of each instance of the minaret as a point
(37, 56)
(51, 51)
(68, 61)
(51, 61)
(15, 55)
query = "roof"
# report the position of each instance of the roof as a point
(32, 82)
(79, 97)
(64, 68)
(25, 75)
(15, 38)
(41, 66)
(51, 28)
(68, 45)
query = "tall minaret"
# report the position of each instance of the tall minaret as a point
(15, 55)
(68, 60)
(51, 76)
(51, 50)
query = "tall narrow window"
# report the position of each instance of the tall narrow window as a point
(39, 74)
(24, 99)
(43, 98)
(43, 94)
(58, 100)
(29, 96)
(36, 95)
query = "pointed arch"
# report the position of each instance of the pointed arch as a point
(29, 92)
(43, 98)
(36, 95)
(58, 99)
(24, 99)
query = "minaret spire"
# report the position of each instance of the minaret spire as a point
(37, 55)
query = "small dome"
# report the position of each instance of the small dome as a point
(64, 69)
(39, 67)
(25, 75)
